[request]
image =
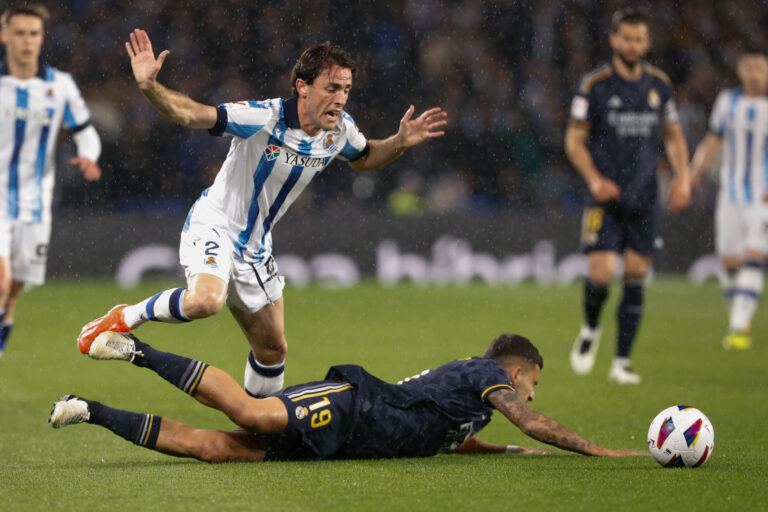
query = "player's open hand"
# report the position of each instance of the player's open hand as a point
(604, 190)
(416, 131)
(90, 169)
(679, 196)
(145, 66)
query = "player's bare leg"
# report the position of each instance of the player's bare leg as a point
(602, 267)
(5, 290)
(746, 296)
(265, 331)
(204, 296)
(629, 314)
(6, 319)
(181, 440)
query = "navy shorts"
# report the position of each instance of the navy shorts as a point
(613, 228)
(319, 415)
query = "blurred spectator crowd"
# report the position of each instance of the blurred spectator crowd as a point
(504, 70)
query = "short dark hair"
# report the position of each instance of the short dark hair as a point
(751, 48)
(26, 9)
(628, 15)
(316, 58)
(514, 345)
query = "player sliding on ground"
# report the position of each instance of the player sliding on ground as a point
(278, 147)
(350, 414)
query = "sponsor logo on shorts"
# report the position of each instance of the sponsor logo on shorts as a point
(301, 412)
(41, 250)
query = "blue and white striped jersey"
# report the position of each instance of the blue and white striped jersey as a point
(742, 121)
(270, 162)
(31, 113)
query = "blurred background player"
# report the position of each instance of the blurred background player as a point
(34, 101)
(622, 112)
(278, 147)
(349, 415)
(740, 119)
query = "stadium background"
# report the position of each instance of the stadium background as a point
(505, 71)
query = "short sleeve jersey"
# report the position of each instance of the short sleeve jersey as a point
(625, 120)
(270, 162)
(424, 415)
(31, 113)
(742, 122)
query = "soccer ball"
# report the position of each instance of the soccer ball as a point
(681, 436)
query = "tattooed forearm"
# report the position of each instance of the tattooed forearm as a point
(539, 426)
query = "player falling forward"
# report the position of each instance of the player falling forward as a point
(34, 101)
(351, 414)
(739, 121)
(622, 112)
(278, 147)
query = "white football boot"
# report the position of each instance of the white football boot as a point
(68, 411)
(621, 373)
(113, 345)
(584, 350)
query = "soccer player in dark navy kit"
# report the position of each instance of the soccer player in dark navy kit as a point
(350, 414)
(619, 117)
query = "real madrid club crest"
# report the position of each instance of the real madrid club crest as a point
(654, 100)
(301, 412)
(329, 144)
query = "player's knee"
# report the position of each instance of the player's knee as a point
(202, 304)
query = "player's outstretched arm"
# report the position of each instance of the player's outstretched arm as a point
(545, 429)
(475, 445)
(705, 153)
(176, 106)
(601, 188)
(410, 133)
(677, 153)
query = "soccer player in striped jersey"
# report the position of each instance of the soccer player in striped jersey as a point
(739, 127)
(278, 147)
(619, 118)
(35, 99)
(349, 415)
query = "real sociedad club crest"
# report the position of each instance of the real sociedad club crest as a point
(272, 152)
(329, 145)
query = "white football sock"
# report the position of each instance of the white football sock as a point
(749, 286)
(166, 306)
(262, 380)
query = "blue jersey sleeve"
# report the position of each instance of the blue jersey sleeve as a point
(356, 144)
(76, 113)
(242, 118)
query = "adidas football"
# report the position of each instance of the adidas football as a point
(681, 436)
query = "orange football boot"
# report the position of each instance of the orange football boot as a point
(112, 321)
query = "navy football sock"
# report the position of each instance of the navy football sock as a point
(5, 332)
(594, 298)
(182, 372)
(140, 429)
(629, 315)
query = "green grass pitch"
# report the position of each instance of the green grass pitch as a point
(394, 332)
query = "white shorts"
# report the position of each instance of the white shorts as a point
(26, 244)
(740, 227)
(251, 286)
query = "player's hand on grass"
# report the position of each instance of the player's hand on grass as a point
(679, 196)
(621, 453)
(145, 66)
(90, 169)
(604, 190)
(416, 131)
(522, 450)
